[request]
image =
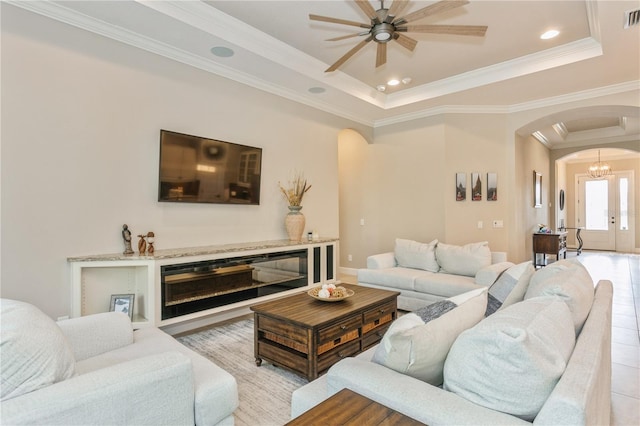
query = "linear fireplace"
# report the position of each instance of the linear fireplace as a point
(197, 286)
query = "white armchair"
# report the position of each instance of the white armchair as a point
(97, 370)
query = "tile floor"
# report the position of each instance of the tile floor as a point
(624, 272)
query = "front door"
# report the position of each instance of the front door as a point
(602, 210)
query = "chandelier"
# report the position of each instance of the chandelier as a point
(599, 170)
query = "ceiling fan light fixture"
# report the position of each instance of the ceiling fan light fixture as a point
(382, 33)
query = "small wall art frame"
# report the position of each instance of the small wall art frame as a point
(461, 186)
(476, 187)
(537, 190)
(492, 187)
(122, 303)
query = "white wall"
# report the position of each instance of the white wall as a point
(81, 117)
(404, 184)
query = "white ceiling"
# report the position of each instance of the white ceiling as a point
(279, 50)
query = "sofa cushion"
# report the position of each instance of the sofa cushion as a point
(443, 285)
(35, 353)
(512, 360)
(570, 281)
(398, 277)
(417, 343)
(510, 287)
(412, 254)
(463, 260)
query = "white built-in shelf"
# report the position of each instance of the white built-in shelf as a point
(94, 278)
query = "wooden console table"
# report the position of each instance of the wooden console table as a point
(555, 244)
(308, 336)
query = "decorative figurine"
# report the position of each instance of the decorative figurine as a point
(126, 236)
(151, 238)
(142, 245)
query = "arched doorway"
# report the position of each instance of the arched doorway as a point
(600, 211)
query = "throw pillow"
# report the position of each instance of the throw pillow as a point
(412, 254)
(417, 343)
(464, 260)
(35, 353)
(512, 360)
(570, 281)
(510, 287)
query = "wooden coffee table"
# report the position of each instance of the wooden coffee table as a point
(348, 408)
(308, 336)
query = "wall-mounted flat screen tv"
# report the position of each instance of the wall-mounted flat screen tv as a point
(194, 169)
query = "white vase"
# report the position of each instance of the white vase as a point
(294, 222)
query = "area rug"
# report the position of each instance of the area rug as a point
(265, 391)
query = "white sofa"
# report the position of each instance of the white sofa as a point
(425, 273)
(96, 370)
(579, 396)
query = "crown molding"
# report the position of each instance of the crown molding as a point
(613, 89)
(215, 22)
(628, 86)
(71, 17)
(535, 62)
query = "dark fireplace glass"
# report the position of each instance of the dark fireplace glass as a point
(197, 286)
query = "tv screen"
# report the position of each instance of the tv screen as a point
(194, 169)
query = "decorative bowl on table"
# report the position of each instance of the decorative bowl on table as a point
(330, 293)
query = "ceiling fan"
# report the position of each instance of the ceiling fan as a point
(384, 27)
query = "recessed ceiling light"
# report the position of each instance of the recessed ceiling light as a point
(549, 34)
(317, 89)
(393, 82)
(406, 80)
(222, 52)
(381, 87)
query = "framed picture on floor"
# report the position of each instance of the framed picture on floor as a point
(492, 187)
(122, 303)
(476, 187)
(461, 186)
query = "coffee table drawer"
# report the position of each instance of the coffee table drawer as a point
(380, 311)
(374, 337)
(328, 359)
(283, 329)
(336, 330)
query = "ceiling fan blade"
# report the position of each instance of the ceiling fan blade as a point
(466, 30)
(439, 7)
(405, 41)
(396, 7)
(338, 21)
(345, 37)
(348, 55)
(368, 10)
(381, 54)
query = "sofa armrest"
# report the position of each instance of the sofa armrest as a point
(583, 393)
(92, 335)
(489, 274)
(382, 261)
(412, 397)
(153, 390)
